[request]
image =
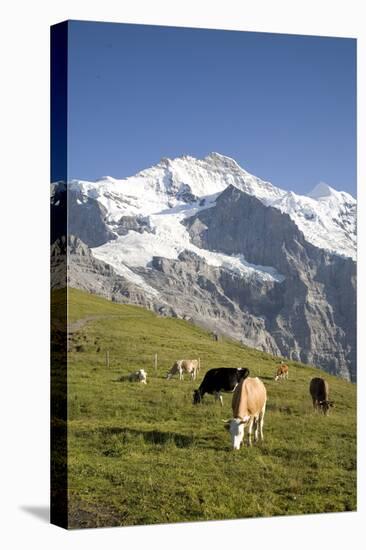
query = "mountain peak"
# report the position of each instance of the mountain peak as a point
(218, 158)
(321, 190)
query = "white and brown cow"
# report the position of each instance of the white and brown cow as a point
(282, 372)
(319, 391)
(249, 405)
(188, 366)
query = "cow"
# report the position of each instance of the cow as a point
(249, 405)
(219, 380)
(189, 366)
(138, 376)
(282, 371)
(319, 391)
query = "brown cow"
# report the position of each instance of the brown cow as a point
(319, 391)
(249, 405)
(190, 366)
(282, 371)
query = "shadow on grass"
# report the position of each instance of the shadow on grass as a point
(285, 409)
(154, 437)
(128, 436)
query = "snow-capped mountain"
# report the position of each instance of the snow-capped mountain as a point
(174, 189)
(326, 217)
(205, 239)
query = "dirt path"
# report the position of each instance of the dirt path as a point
(80, 323)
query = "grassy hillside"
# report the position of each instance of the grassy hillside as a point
(144, 454)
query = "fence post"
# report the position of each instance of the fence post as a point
(107, 358)
(156, 362)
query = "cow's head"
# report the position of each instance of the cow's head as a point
(326, 406)
(236, 428)
(196, 397)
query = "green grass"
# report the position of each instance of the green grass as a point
(144, 454)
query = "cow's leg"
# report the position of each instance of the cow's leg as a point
(218, 397)
(256, 428)
(261, 420)
(250, 428)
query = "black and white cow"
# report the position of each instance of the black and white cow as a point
(219, 380)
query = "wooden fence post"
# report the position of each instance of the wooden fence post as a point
(107, 358)
(156, 362)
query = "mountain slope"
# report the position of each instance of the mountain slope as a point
(205, 239)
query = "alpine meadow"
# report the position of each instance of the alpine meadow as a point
(144, 454)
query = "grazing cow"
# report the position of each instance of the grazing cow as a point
(217, 380)
(138, 376)
(249, 405)
(319, 391)
(282, 371)
(189, 366)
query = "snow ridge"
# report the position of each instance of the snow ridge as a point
(177, 188)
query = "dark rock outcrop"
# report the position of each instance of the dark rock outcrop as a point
(86, 217)
(312, 314)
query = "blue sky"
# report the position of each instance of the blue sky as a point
(283, 106)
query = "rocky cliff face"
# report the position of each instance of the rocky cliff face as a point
(207, 242)
(312, 313)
